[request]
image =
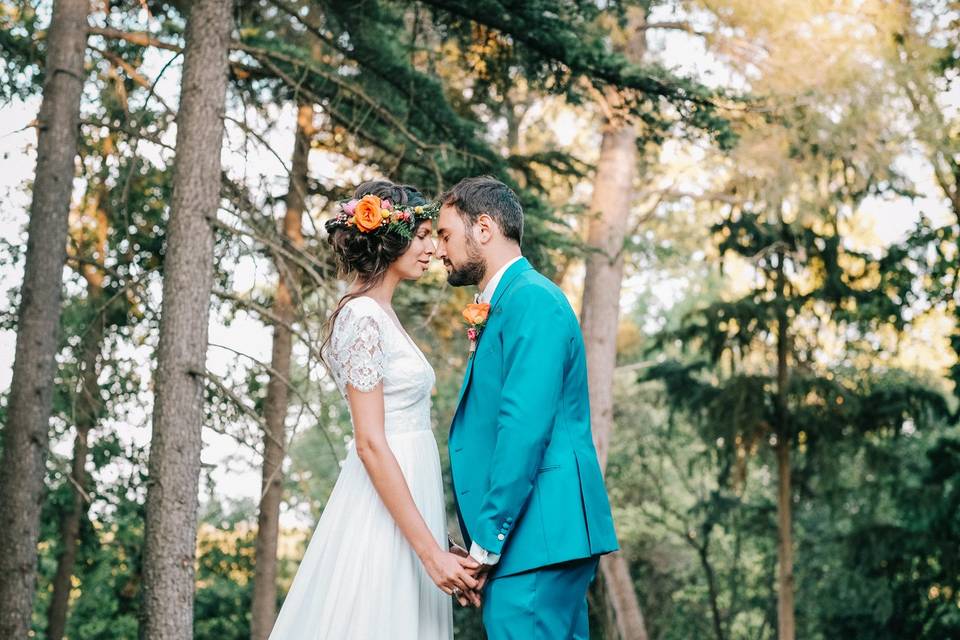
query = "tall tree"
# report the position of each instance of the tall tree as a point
(786, 223)
(275, 406)
(174, 468)
(26, 436)
(610, 207)
(783, 433)
(90, 238)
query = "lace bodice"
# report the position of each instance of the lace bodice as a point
(368, 347)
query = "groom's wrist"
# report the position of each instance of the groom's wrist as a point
(483, 556)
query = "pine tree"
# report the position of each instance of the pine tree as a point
(263, 606)
(25, 434)
(172, 501)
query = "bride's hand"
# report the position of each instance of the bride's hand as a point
(449, 571)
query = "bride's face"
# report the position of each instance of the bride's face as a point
(416, 259)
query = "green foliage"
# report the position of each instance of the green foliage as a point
(887, 561)
(923, 272)
(874, 511)
(21, 62)
(224, 584)
(756, 372)
(417, 92)
(558, 43)
(105, 604)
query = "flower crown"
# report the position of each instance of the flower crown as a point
(371, 214)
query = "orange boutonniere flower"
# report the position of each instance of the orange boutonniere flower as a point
(367, 215)
(476, 316)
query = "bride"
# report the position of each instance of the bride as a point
(377, 566)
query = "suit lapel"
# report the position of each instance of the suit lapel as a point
(509, 277)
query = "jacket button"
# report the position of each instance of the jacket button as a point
(501, 537)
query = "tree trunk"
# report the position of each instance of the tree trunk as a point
(785, 600)
(90, 406)
(786, 622)
(600, 317)
(616, 575)
(264, 604)
(69, 534)
(703, 552)
(600, 312)
(26, 435)
(174, 468)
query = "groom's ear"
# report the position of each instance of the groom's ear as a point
(487, 228)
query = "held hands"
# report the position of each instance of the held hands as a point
(474, 596)
(454, 574)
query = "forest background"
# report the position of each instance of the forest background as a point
(753, 207)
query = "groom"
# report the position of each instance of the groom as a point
(529, 492)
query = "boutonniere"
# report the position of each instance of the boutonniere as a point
(476, 317)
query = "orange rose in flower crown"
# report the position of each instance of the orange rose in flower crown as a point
(368, 213)
(476, 316)
(371, 214)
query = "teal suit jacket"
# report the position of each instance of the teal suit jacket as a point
(526, 479)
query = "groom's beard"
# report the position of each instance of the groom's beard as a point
(470, 272)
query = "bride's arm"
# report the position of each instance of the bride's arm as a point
(447, 570)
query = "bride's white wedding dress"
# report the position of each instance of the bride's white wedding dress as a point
(359, 578)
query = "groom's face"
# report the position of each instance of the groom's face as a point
(458, 248)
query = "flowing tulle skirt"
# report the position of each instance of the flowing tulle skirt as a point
(360, 579)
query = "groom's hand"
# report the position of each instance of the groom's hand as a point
(481, 575)
(472, 596)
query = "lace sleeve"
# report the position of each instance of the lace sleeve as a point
(358, 351)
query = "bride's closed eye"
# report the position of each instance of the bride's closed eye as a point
(425, 235)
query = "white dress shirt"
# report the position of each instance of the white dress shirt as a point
(487, 294)
(478, 553)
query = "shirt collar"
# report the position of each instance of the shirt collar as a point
(487, 294)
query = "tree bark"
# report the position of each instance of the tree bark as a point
(89, 407)
(786, 614)
(600, 317)
(263, 607)
(703, 552)
(26, 434)
(174, 467)
(69, 534)
(600, 312)
(629, 617)
(786, 622)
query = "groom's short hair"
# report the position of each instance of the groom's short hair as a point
(485, 194)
